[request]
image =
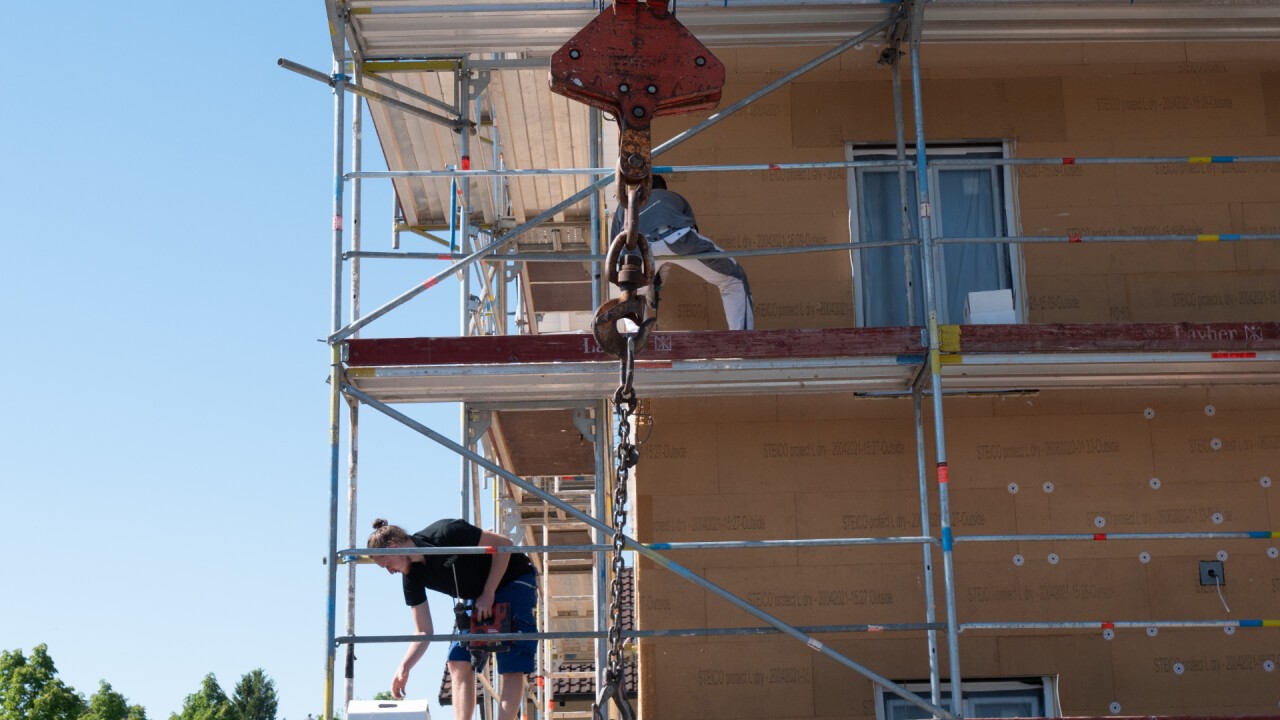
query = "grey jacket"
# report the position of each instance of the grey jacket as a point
(663, 212)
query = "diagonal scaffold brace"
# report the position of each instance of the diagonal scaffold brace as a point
(636, 62)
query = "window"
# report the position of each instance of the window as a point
(967, 202)
(1024, 697)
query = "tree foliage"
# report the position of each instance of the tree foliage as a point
(255, 696)
(208, 703)
(107, 704)
(30, 688)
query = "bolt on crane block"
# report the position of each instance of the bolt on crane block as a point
(636, 61)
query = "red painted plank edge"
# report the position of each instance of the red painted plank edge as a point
(1120, 337)
(839, 342)
(823, 343)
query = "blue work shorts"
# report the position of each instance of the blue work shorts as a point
(522, 594)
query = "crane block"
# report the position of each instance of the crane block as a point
(636, 61)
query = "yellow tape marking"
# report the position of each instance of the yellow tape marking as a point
(949, 338)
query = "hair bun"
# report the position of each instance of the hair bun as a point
(379, 523)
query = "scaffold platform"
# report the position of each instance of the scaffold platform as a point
(972, 358)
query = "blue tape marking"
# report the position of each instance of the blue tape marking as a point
(1263, 534)
(663, 169)
(1228, 237)
(660, 546)
(1223, 158)
(946, 540)
(908, 359)
(1250, 623)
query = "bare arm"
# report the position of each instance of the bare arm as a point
(422, 625)
(497, 568)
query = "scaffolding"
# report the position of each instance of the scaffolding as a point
(491, 249)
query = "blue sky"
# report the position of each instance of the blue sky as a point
(164, 490)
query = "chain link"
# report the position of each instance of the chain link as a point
(624, 406)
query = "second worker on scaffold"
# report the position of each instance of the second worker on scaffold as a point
(667, 222)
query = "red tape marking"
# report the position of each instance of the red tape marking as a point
(1108, 626)
(774, 166)
(1099, 536)
(1068, 161)
(430, 283)
(1233, 355)
(490, 550)
(1073, 238)
(942, 474)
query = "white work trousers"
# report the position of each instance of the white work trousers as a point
(724, 273)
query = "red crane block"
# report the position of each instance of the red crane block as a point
(637, 62)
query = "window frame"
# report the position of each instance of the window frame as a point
(1008, 215)
(1046, 691)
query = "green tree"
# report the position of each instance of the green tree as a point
(384, 695)
(208, 703)
(30, 688)
(107, 704)
(255, 696)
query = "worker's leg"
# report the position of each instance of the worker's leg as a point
(520, 660)
(660, 270)
(724, 273)
(512, 695)
(464, 689)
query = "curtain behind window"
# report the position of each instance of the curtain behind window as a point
(968, 203)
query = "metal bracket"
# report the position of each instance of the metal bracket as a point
(585, 423)
(478, 84)
(902, 24)
(478, 422)
(914, 11)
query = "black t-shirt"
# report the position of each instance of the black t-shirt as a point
(455, 575)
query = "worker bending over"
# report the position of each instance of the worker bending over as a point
(485, 580)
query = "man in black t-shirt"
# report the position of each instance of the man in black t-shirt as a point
(496, 577)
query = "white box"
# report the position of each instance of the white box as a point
(388, 710)
(565, 322)
(990, 307)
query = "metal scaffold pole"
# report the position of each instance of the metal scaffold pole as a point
(900, 147)
(335, 360)
(461, 89)
(935, 363)
(930, 605)
(600, 578)
(353, 408)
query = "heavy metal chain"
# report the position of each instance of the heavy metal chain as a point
(624, 406)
